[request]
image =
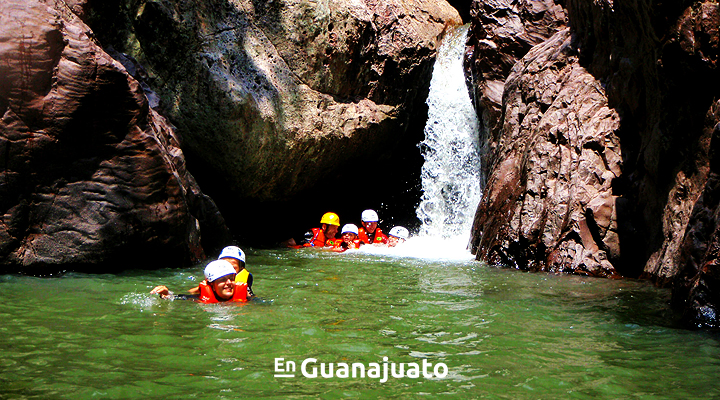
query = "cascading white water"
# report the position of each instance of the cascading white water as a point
(451, 173)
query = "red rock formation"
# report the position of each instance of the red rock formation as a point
(92, 176)
(635, 168)
(502, 32)
(548, 204)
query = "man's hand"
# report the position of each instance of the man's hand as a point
(163, 291)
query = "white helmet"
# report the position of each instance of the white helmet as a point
(399, 232)
(350, 228)
(217, 269)
(232, 252)
(369, 216)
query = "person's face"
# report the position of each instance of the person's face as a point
(348, 237)
(237, 264)
(330, 231)
(392, 241)
(370, 226)
(224, 287)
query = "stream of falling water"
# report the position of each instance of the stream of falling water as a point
(451, 173)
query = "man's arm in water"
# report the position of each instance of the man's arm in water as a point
(165, 293)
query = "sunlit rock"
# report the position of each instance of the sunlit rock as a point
(502, 32)
(648, 132)
(551, 168)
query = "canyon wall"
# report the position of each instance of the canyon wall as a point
(281, 103)
(92, 176)
(274, 105)
(602, 149)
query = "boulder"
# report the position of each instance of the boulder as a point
(93, 179)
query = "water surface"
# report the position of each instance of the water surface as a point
(503, 334)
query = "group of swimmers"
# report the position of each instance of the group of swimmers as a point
(351, 237)
(227, 279)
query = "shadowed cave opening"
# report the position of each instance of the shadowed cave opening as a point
(394, 194)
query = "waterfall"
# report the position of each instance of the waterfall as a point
(451, 173)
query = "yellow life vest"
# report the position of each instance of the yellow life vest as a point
(242, 276)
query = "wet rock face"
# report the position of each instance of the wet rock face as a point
(696, 285)
(660, 68)
(639, 197)
(279, 102)
(548, 204)
(92, 176)
(502, 32)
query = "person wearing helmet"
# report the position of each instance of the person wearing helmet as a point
(349, 239)
(370, 233)
(325, 236)
(219, 285)
(235, 256)
(397, 234)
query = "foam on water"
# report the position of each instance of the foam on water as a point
(426, 247)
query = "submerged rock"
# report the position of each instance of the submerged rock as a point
(92, 177)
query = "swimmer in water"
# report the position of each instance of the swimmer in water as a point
(370, 233)
(397, 234)
(236, 257)
(219, 286)
(325, 236)
(349, 239)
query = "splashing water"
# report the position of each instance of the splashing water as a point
(426, 248)
(451, 173)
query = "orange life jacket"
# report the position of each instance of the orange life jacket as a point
(208, 296)
(355, 244)
(379, 236)
(318, 239)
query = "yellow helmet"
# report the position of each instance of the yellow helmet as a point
(330, 218)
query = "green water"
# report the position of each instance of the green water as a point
(503, 334)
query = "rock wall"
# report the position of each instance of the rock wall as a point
(93, 177)
(548, 204)
(696, 285)
(604, 156)
(281, 103)
(502, 32)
